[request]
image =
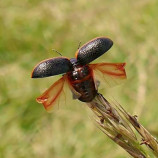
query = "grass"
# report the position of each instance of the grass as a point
(29, 30)
(114, 121)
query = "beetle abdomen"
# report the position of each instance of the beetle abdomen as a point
(82, 81)
(86, 89)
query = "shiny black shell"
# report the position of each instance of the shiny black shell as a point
(51, 67)
(93, 49)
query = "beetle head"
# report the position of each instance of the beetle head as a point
(74, 62)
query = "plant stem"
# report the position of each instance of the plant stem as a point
(117, 124)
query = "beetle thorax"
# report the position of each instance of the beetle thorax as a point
(79, 72)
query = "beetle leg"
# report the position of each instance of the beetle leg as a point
(74, 96)
(97, 84)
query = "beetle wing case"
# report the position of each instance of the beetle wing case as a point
(93, 49)
(51, 67)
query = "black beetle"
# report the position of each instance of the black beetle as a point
(77, 72)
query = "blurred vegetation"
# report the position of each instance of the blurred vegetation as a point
(29, 30)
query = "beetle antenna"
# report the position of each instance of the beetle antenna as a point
(79, 44)
(57, 52)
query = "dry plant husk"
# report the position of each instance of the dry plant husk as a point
(121, 127)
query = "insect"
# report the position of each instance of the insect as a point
(78, 73)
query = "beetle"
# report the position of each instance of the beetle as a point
(77, 72)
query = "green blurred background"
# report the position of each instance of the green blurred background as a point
(29, 30)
